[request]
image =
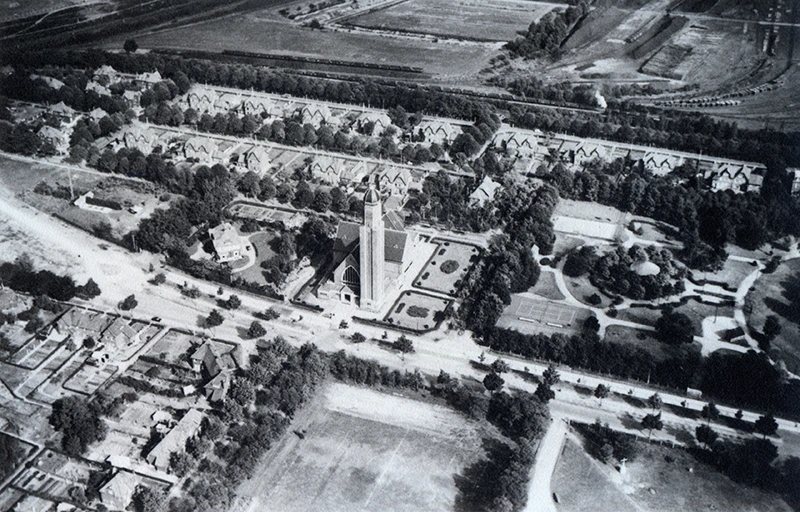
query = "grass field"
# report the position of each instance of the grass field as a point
(259, 32)
(492, 20)
(364, 450)
(770, 296)
(652, 484)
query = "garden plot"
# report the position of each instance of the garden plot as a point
(365, 450)
(447, 267)
(89, 378)
(414, 310)
(172, 346)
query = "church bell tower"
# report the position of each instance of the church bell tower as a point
(371, 248)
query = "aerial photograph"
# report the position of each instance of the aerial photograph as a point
(399, 255)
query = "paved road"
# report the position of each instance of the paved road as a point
(540, 498)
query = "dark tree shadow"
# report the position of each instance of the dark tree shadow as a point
(632, 400)
(631, 422)
(683, 412)
(583, 390)
(682, 434)
(790, 310)
(477, 483)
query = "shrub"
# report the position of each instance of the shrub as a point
(417, 312)
(449, 266)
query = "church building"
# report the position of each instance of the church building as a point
(370, 258)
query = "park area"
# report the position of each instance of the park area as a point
(448, 266)
(414, 310)
(365, 450)
(492, 20)
(658, 479)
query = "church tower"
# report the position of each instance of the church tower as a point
(371, 248)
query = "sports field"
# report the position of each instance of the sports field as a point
(491, 20)
(364, 450)
(529, 314)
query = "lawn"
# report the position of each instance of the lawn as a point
(492, 20)
(770, 296)
(414, 310)
(260, 242)
(657, 480)
(644, 316)
(364, 450)
(732, 273)
(546, 287)
(643, 339)
(447, 267)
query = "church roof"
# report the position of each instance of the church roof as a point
(372, 196)
(394, 242)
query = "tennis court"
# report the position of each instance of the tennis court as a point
(546, 312)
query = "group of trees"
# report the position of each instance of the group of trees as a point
(255, 413)
(508, 266)
(79, 422)
(545, 36)
(613, 273)
(705, 220)
(21, 276)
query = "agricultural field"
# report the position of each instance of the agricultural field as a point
(493, 20)
(365, 450)
(658, 479)
(263, 32)
(447, 267)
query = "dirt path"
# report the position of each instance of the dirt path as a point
(540, 498)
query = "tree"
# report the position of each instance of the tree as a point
(652, 422)
(148, 499)
(159, 278)
(78, 422)
(655, 401)
(710, 412)
(90, 290)
(705, 435)
(357, 337)
(129, 303)
(493, 382)
(674, 328)
(130, 46)
(214, 319)
(270, 314)
(404, 345)
(256, 330)
(766, 425)
(772, 327)
(233, 302)
(601, 392)
(544, 393)
(500, 366)
(606, 452)
(551, 377)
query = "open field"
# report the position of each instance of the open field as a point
(447, 267)
(652, 483)
(260, 32)
(365, 450)
(771, 295)
(493, 20)
(697, 311)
